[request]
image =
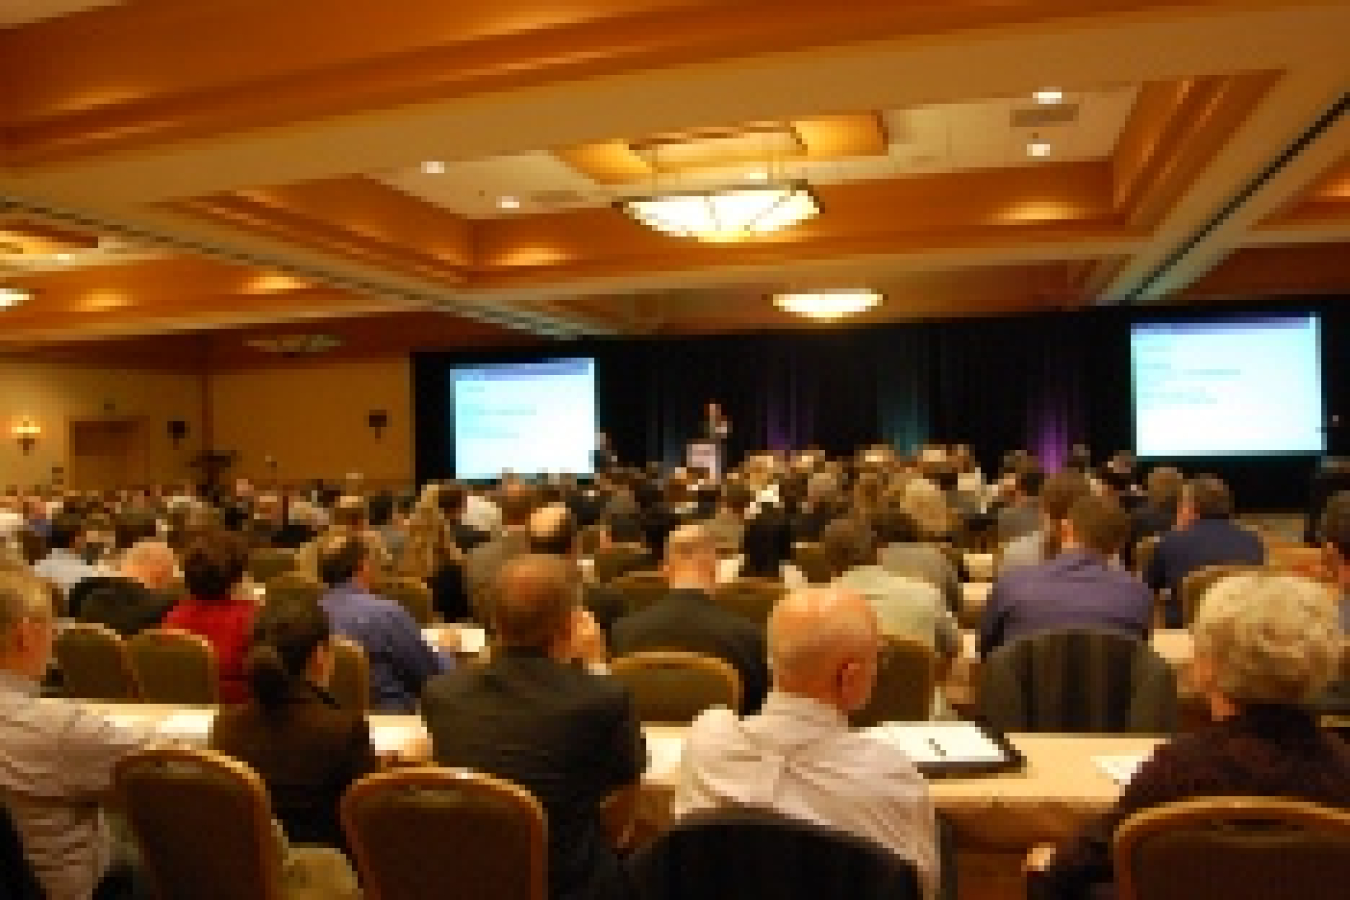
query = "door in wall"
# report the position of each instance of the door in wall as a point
(106, 454)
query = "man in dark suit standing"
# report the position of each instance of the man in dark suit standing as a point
(535, 716)
(1206, 535)
(688, 619)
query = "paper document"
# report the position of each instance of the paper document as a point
(192, 726)
(1120, 768)
(663, 756)
(933, 743)
(396, 738)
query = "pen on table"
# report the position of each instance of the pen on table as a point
(937, 748)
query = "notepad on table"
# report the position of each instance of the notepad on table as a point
(1120, 768)
(941, 743)
(191, 726)
(400, 738)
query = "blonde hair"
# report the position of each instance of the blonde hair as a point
(429, 543)
(1270, 638)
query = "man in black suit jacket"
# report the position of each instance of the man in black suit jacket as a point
(137, 597)
(534, 716)
(1205, 536)
(688, 619)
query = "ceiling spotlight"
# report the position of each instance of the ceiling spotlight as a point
(508, 203)
(433, 167)
(827, 305)
(1048, 96)
(757, 175)
(12, 297)
(63, 257)
(1038, 148)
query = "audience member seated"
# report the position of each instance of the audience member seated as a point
(56, 758)
(306, 748)
(901, 550)
(348, 518)
(1058, 494)
(1333, 531)
(727, 526)
(1158, 513)
(216, 608)
(138, 596)
(534, 716)
(798, 756)
(904, 605)
(1078, 588)
(1022, 513)
(431, 553)
(926, 502)
(766, 544)
(481, 565)
(64, 565)
(687, 618)
(1265, 645)
(1206, 535)
(400, 659)
(621, 549)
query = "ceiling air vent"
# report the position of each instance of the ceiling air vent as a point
(1045, 116)
(556, 198)
(293, 345)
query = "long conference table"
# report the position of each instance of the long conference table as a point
(996, 819)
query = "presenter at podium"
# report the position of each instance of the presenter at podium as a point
(716, 426)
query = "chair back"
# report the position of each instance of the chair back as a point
(906, 676)
(266, 563)
(350, 684)
(810, 559)
(672, 687)
(1238, 848)
(410, 593)
(203, 824)
(751, 598)
(94, 663)
(435, 833)
(1144, 549)
(1081, 680)
(738, 853)
(640, 589)
(1198, 582)
(616, 560)
(175, 666)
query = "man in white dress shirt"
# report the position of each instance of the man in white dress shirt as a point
(798, 756)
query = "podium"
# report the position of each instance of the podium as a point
(705, 454)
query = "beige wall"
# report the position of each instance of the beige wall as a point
(312, 418)
(54, 394)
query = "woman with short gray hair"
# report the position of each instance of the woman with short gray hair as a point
(1265, 645)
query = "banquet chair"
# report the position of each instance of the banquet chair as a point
(445, 833)
(410, 593)
(1078, 680)
(94, 663)
(203, 825)
(350, 684)
(737, 853)
(671, 687)
(752, 598)
(640, 589)
(809, 558)
(906, 676)
(1197, 583)
(266, 563)
(1238, 848)
(175, 666)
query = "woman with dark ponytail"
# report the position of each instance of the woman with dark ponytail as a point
(305, 747)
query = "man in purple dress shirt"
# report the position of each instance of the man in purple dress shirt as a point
(400, 660)
(1081, 587)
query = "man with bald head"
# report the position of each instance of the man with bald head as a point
(686, 618)
(798, 756)
(138, 597)
(535, 716)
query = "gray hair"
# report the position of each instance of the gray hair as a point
(1271, 638)
(22, 596)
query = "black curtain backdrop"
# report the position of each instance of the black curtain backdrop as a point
(1043, 382)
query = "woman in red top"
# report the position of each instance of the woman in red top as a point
(216, 609)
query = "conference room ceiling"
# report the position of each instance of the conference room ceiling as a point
(170, 167)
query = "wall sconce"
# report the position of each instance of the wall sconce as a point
(26, 432)
(378, 420)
